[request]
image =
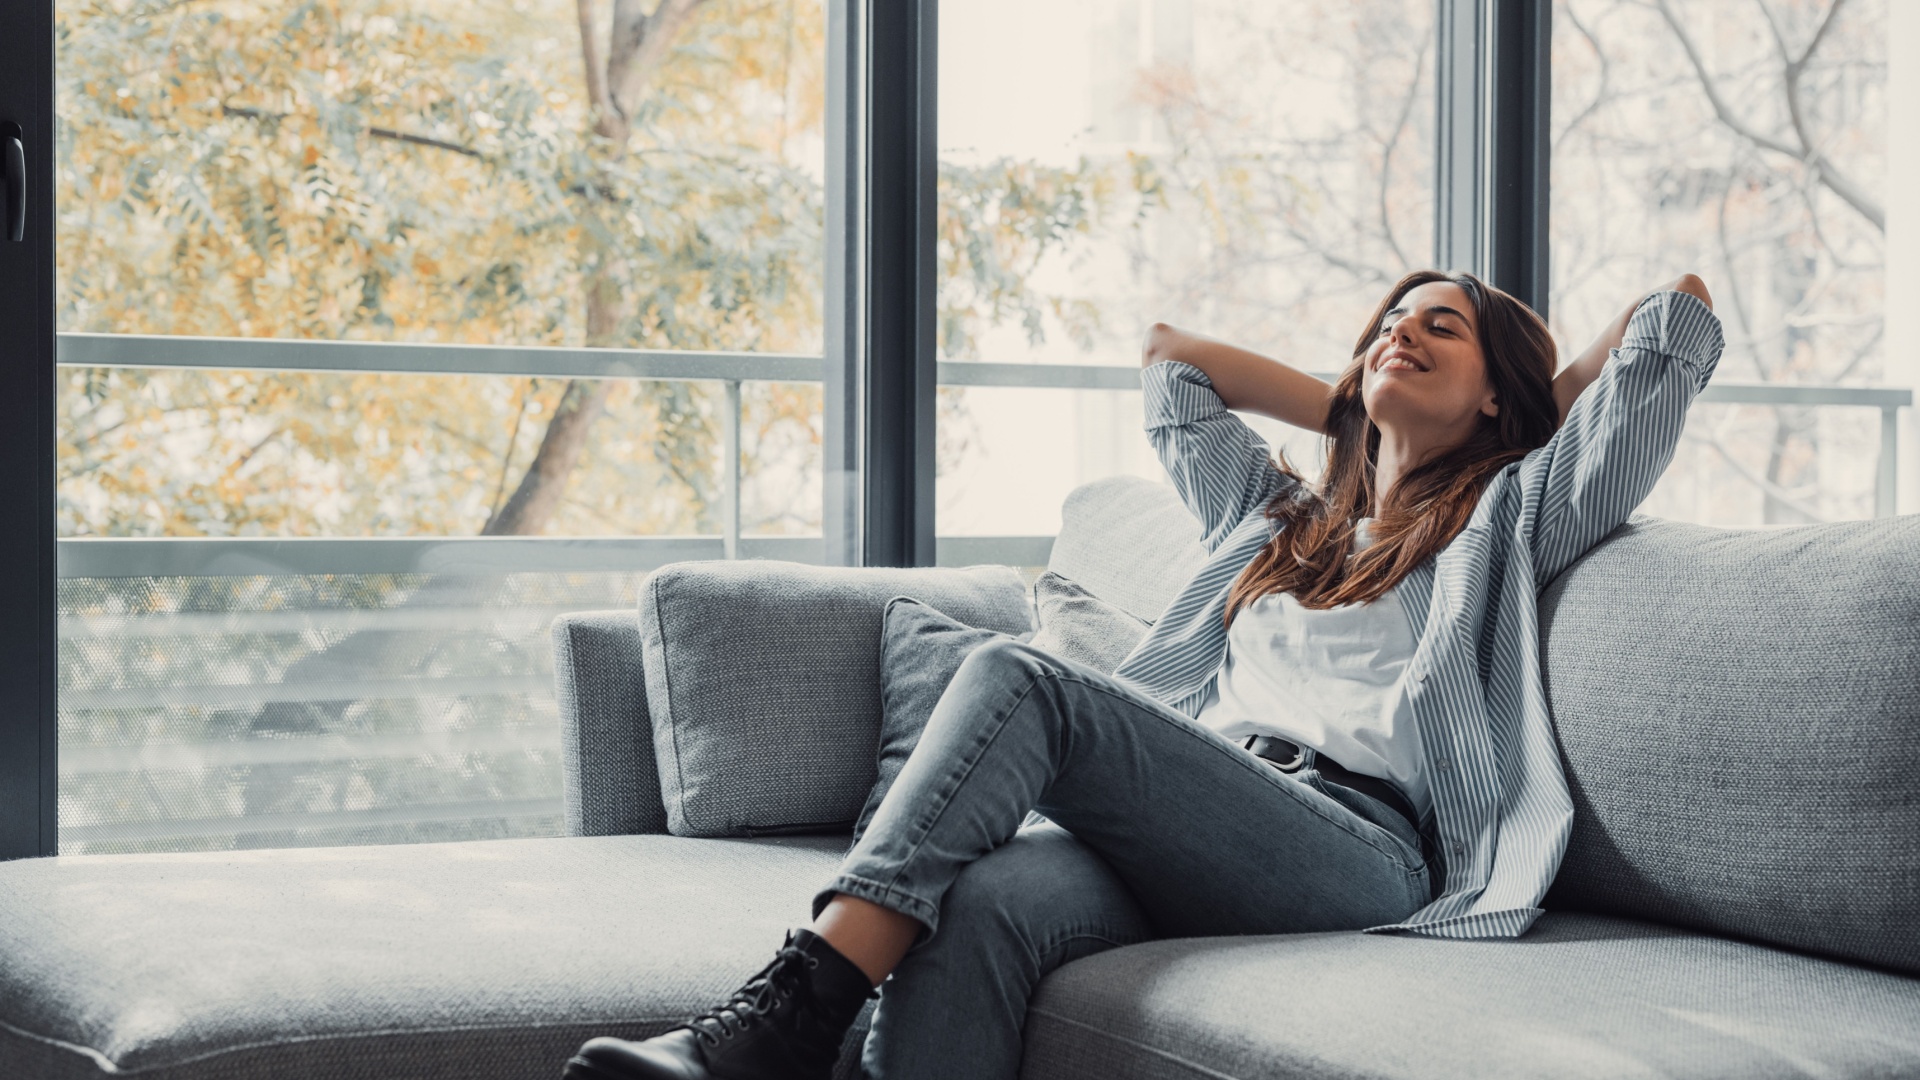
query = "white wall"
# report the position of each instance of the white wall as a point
(1903, 229)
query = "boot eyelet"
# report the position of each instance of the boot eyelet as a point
(813, 961)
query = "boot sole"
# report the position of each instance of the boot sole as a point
(579, 1068)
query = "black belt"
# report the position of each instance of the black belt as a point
(1288, 758)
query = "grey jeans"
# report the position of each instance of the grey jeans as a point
(1157, 827)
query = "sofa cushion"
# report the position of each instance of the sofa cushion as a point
(763, 683)
(485, 959)
(920, 649)
(1079, 626)
(1128, 541)
(1580, 996)
(1739, 712)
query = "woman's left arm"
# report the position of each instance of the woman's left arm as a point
(1580, 374)
(1620, 431)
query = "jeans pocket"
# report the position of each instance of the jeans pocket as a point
(1403, 837)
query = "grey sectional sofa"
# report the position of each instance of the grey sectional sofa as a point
(1739, 713)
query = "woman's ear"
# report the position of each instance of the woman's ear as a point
(1491, 406)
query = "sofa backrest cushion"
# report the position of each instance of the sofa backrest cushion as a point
(1129, 542)
(1739, 713)
(763, 684)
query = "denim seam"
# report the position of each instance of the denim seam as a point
(1062, 940)
(1263, 770)
(886, 896)
(1165, 1055)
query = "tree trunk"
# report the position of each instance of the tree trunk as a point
(1775, 511)
(538, 496)
(616, 81)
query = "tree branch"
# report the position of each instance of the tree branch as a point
(1606, 77)
(639, 46)
(1829, 174)
(1386, 155)
(1767, 487)
(506, 458)
(422, 140)
(247, 112)
(596, 68)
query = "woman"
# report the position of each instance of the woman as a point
(1372, 639)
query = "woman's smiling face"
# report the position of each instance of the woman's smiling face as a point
(1424, 369)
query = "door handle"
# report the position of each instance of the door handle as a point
(13, 174)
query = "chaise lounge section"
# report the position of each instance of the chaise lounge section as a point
(1738, 712)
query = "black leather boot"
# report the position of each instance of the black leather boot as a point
(786, 1023)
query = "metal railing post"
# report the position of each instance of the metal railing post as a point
(1885, 473)
(730, 475)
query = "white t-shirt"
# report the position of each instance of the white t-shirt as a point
(1329, 679)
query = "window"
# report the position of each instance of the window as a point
(356, 301)
(1258, 172)
(1747, 141)
(390, 331)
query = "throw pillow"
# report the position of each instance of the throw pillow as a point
(1077, 625)
(920, 649)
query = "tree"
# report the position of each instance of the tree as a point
(1759, 165)
(275, 168)
(410, 171)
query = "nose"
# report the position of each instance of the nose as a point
(1402, 331)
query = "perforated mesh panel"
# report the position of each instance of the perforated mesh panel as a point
(220, 712)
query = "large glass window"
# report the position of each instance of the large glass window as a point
(1746, 140)
(353, 295)
(1258, 172)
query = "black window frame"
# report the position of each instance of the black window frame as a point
(28, 645)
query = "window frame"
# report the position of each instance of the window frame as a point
(28, 646)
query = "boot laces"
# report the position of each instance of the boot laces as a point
(789, 975)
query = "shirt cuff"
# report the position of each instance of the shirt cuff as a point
(1178, 393)
(1679, 325)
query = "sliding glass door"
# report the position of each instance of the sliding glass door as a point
(389, 331)
(1258, 172)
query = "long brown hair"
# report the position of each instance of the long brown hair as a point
(1428, 506)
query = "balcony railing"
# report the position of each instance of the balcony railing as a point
(252, 555)
(524, 695)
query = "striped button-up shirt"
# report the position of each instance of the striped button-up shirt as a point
(1501, 811)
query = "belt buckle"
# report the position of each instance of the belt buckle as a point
(1265, 747)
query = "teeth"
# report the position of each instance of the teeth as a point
(1400, 362)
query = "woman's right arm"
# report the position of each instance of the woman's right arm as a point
(1221, 467)
(1244, 379)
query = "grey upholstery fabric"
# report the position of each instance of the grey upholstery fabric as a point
(485, 960)
(1129, 542)
(606, 740)
(920, 649)
(1580, 996)
(763, 681)
(1079, 626)
(1739, 712)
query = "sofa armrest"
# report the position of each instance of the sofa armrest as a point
(606, 740)
(763, 684)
